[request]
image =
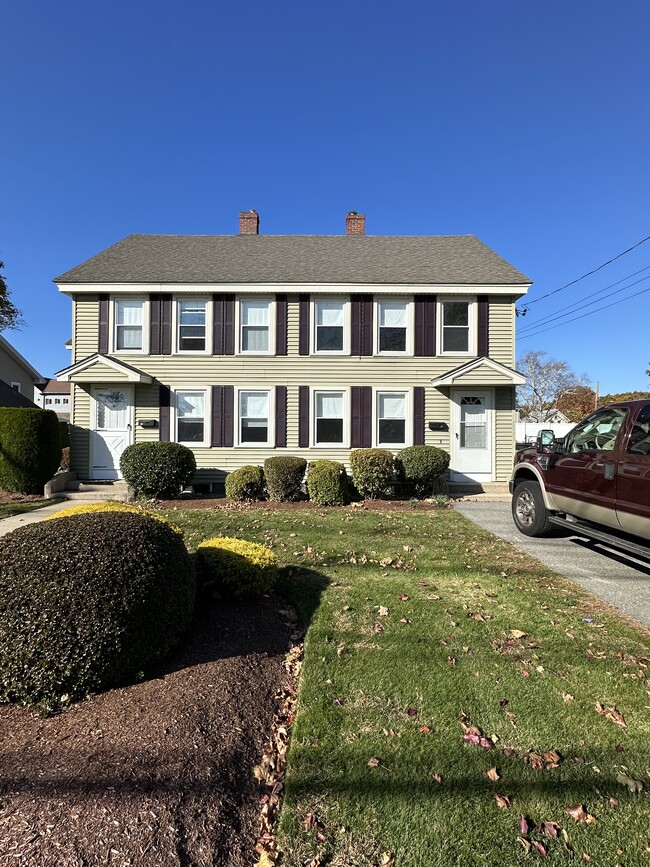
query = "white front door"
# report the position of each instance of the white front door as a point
(112, 430)
(472, 436)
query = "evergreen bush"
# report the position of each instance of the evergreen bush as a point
(94, 617)
(246, 484)
(372, 471)
(111, 506)
(327, 483)
(419, 468)
(236, 568)
(284, 475)
(30, 448)
(157, 469)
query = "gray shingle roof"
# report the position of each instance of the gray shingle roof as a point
(436, 259)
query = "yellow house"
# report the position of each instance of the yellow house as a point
(248, 345)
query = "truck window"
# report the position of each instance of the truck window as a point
(598, 432)
(639, 443)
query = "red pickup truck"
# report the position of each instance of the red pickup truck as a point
(596, 480)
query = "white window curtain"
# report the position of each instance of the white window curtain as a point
(128, 320)
(190, 405)
(329, 313)
(254, 404)
(329, 406)
(393, 314)
(255, 326)
(392, 406)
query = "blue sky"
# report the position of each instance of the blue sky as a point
(523, 123)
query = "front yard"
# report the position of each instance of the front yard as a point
(458, 704)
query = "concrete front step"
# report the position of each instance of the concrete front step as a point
(91, 491)
(488, 491)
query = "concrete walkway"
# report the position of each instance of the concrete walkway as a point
(613, 576)
(9, 524)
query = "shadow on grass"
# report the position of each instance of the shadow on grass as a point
(302, 588)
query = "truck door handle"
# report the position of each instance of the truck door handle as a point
(609, 470)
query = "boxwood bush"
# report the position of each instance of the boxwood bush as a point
(245, 484)
(111, 506)
(372, 471)
(157, 469)
(95, 616)
(284, 475)
(233, 567)
(30, 448)
(419, 468)
(327, 483)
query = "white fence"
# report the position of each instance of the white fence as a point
(526, 432)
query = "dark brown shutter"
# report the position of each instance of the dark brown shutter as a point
(166, 325)
(361, 416)
(154, 324)
(164, 400)
(361, 321)
(280, 324)
(303, 416)
(483, 347)
(223, 324)
(222, 415)
(425, 325)
(281, 416)
(303, 327)
(102, 337)
(418, 415)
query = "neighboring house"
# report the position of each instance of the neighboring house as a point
(550, 416)
(246, 346)
(55, 395)
(18, 374)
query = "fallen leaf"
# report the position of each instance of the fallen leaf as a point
(517, 633)
(586, 857)
(424, 730)
(267, 859)
(311, 821)
(373, 762)
(525, 843)
(437, 778)
(524, 824)
(567, 697)
(340, 650)
(552, 759)
(403, 597)
(550, 829)
(540, 848)
(411, 711)
(536, 761)
(404, 620)
(503, 802)
(577, 813)
(492, 774)
(611, 713)
(386, 859)
(383, 611)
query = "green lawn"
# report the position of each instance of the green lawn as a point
(9, 509)
(425, 636)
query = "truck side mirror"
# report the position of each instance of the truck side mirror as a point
(545, 439)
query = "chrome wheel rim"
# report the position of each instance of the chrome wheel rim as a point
(525, 509)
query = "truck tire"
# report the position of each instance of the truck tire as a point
(530, 515)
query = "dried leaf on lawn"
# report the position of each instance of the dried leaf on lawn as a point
(633, 785)
(611, 713)
(540, 848)
(492, 774)
(517, 633)
(525, 825)
(503, 801)
(386, 859)
(383, 611)
(373, 762)
(550, 829)
(525, 843)
(579, 814)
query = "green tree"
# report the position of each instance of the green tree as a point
(9, 313)
(604, 399)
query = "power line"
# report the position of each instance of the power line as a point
(590, 313)
(533, 326)
(588, 274)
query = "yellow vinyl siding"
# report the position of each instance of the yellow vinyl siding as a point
(504, 405)
(80, 413)
(501, 325)
(85, 326)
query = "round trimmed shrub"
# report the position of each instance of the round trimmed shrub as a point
(284, 475)
(111, 506)
(95, 616)
(157, 469)
(419, 468)
(30, 448)
(327, 483)
(372, 471)
(245, 484)
(233, 567)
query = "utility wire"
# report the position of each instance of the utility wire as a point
(533, 326)
(590, 313)
(588, 274)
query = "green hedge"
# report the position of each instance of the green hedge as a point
(246, 484)
(419, 468)
(157, 469)
(30, 448)
(113, 601)
(284, 475)
(372, 471)
(327, 483)
(233, 567)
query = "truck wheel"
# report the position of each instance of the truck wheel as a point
(528, 510)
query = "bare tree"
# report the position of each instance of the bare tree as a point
(546, 380)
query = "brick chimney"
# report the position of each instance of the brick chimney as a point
(355, 224)
(249, 223)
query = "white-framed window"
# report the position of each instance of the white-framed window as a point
(392, 419)
(394, 326)
(16, 387)
(331, 328)
(256, 326)
(457, 326)
(192, 325)
(48, 401)
(191, 414)
(57, 400)
(255, 413)
(330, 413)
(129, 333)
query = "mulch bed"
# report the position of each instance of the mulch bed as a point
(224, 504)
(158, 773)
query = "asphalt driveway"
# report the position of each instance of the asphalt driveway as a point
(612, 576)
